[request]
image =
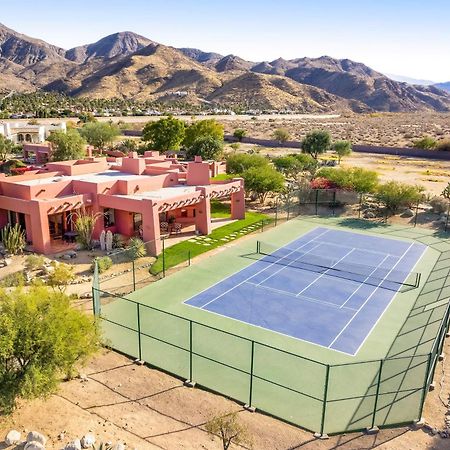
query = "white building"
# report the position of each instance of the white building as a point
(22, 132)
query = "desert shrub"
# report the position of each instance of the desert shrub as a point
(34, 262)
(104, 263)
(60, 276)
(239, 134)
(118, 241)
(13, 239)
(13, 280)
(443, 146)
(439, 204)
(322, 183)
(136, 248)
(354, 179)
(281, 135)
(427, 142)
(395, 195)
(229, 430)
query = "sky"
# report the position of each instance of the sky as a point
(402, 37)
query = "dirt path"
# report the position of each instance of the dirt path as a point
(147, 409)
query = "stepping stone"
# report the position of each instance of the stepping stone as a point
(192, 240)
(206, 244)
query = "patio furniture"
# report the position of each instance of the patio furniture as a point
(177, 228)
(164, 227)
(70, 236)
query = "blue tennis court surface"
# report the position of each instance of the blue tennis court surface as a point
(328, 287)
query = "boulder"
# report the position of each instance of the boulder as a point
(34, 445)
(12, 438)
(74, 445)
(88, 440)
(369, 215)
(34, 436)
(408, 213)
(66, 256)
(118, 446)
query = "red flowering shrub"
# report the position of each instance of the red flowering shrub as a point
(322, 183)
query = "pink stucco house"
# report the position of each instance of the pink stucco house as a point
(134, 194)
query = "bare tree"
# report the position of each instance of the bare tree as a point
(229, 429)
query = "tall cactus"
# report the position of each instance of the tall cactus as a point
(13, 239)
(109, 241)
(103, 240)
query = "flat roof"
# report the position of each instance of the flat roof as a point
(100, 177)
(162, 193)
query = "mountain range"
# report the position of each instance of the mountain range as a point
(127, 65)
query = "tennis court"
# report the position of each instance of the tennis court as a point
(328, 287)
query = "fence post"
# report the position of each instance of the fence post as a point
(334, 203)
(164, 257)
(189, 257)
(250, 397)
(288, 209)
(417, 212)
(139, 331)
(446, 220)
(377, 393)
(360, 204)
(134, 275)
(262, 225)
(325, 395)
(425, 385)
(276, 211)
(190, 350)
(317, 201)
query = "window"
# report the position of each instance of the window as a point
(108, 217)
(184, 213)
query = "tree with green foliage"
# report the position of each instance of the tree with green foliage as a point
(7, 147)
(395, 195)
(237, 163)
(42, 339)
(262, 181)
(342, 148)
(239, 134)
(281, 135)
(292, 165)
(229, 430)
(202, 128)
(208, 147)
(67, 145)
(99, 134)
(426, 143)
(355, 178)
(166, 134)
(316, 143)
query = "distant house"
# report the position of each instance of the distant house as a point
(21, 132)
(137, 196)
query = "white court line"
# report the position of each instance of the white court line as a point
(324, 273)
(263, 269)
(370, 296)
(360, 286)
(292, 262)
(290, 294)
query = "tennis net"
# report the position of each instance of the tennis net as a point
(384, 276)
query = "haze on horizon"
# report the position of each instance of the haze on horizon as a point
(404, 37)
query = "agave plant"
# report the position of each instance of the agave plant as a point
(84, 223)
(102, 446)
(136, 248)
(13, 239)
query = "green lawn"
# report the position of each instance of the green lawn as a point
(220, 210)
(197, 245)
(223, 177)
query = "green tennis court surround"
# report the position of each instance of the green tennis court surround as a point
(321, 389)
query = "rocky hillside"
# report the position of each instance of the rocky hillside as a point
(127, 65)
(443, 86)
